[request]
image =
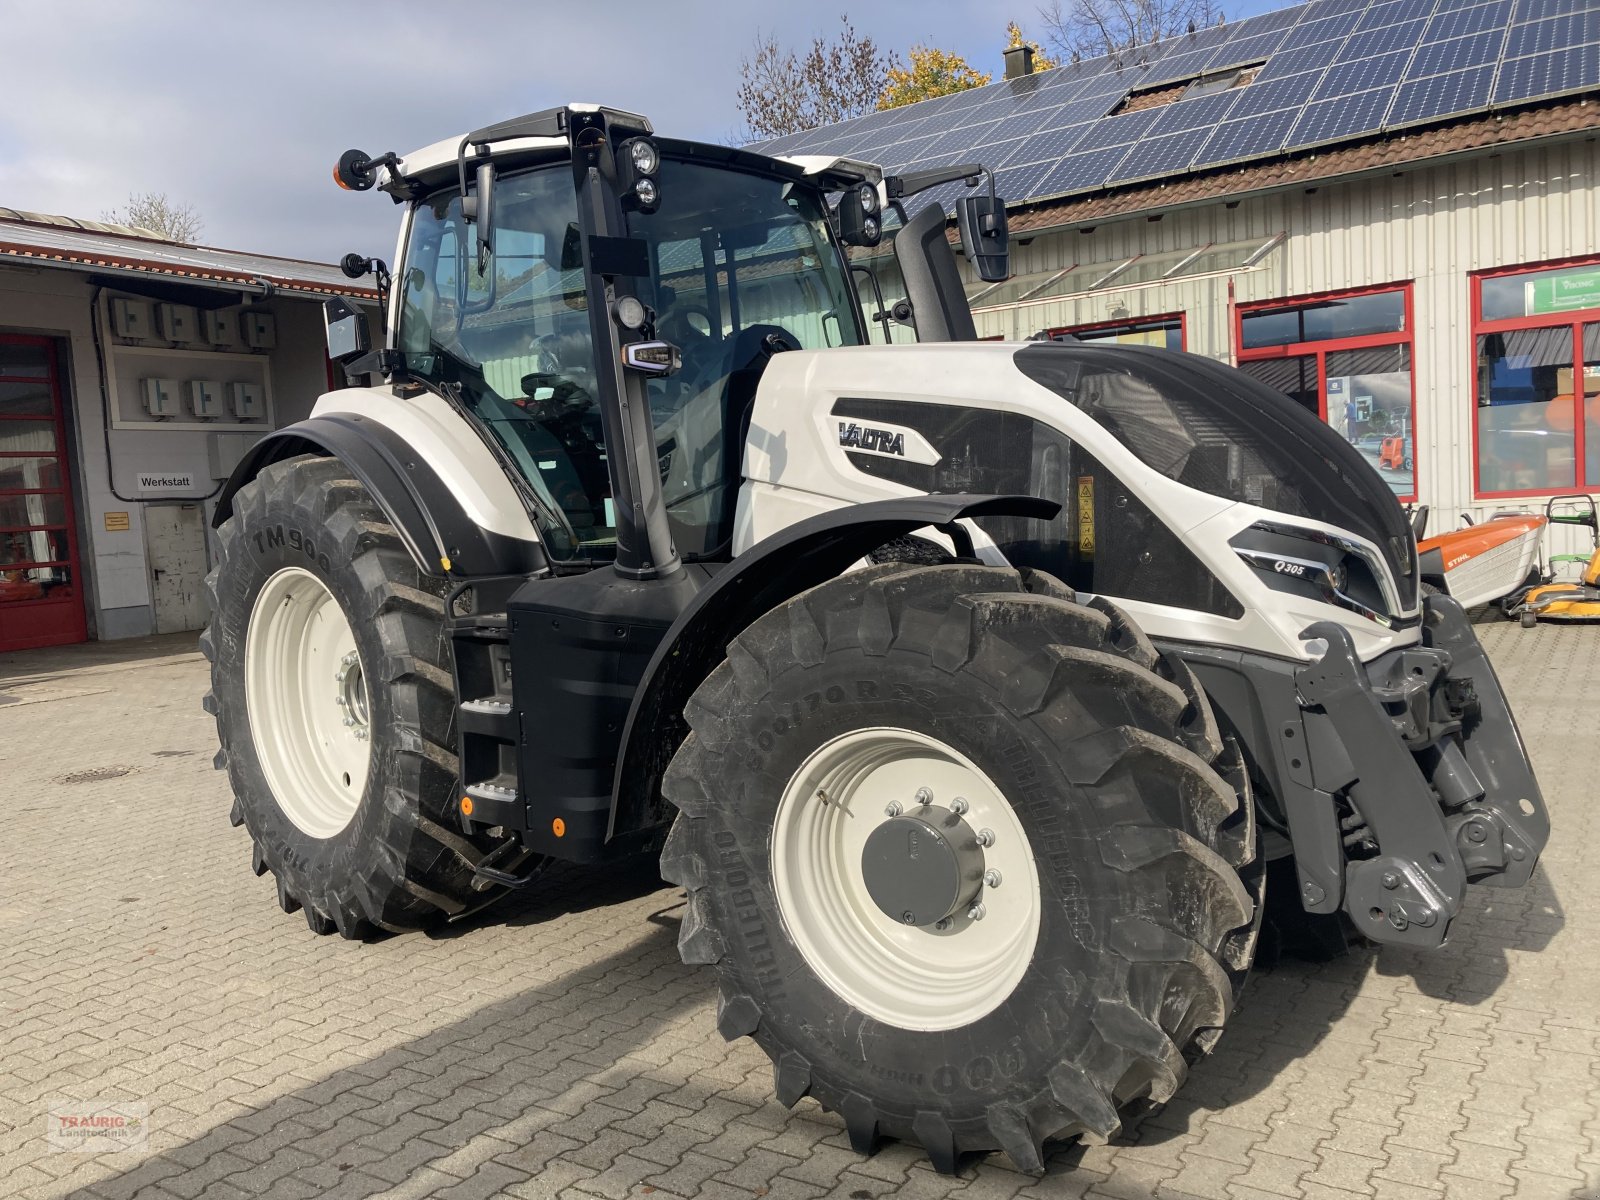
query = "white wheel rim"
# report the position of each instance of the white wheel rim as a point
(307, 699)
(922, 978)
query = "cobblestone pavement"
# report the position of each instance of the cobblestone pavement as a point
(556, 1047)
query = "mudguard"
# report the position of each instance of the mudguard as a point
(433, 526)
(772, 571)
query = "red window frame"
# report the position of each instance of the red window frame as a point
(1322, 348)
(1124, 322)
(57, 618)
(1576, 319)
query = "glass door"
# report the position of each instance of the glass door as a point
(41, 600)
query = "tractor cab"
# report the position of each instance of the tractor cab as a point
(568, 277)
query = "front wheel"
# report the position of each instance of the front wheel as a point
(335, 707)
(973, 863)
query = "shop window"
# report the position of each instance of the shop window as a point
(1167, 331)
(1346, 357)
(1536, 343)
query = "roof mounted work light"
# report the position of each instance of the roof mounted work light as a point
(638, 160)
(860, 216)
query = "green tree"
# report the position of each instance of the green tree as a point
(929, 72)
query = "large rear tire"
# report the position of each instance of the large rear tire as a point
(335, 709)
(1102, 825)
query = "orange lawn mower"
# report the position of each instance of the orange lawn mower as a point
(1549, 600)
(1493, 560)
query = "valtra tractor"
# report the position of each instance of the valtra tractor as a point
(965, 687)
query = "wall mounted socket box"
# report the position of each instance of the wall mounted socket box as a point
(205, 398)
(160, 397)
(130, 318)
(259, 329)
(178, 322)
(221, 327)
(248, 403)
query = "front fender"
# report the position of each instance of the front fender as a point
(431, 522)
(774, 570)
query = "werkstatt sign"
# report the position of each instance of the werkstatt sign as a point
(164, 483)
(1565, 292)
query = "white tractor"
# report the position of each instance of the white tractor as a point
(967, 688)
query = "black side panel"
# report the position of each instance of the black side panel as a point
(579, 648)
(431, 522)
(933, 281)
(769, 573)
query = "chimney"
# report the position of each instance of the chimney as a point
(1019, 62)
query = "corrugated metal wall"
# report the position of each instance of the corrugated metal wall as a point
(1430, 227)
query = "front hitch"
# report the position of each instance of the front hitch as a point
(1422, 745)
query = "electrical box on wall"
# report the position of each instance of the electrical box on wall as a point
(178, 322)
(221, 328)
(205, 398)
(130, 318)
(160, 397)
(259, 329)
(247, 401)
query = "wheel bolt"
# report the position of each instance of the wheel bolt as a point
(924, 795)
(943, 924)
(992, 877)
(349, 720)
(893, 809)
(985, 837)
(977, 912)
(959, 806)
(908, 918)
(340, 701)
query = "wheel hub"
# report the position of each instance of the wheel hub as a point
(923, 867)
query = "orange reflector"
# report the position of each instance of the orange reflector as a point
(466, 806)
(338, 180)
(558, 827)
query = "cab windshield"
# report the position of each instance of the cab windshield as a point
(735, 258)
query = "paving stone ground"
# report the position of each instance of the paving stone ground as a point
(556, 1047)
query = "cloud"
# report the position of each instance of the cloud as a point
(242, 109)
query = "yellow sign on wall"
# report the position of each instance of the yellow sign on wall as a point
(116, 522)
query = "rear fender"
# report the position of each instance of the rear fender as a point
(432, 524)
(774, 570)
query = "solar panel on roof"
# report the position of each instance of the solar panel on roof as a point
(1161, 155)
(1080, 171)
(1329, 120)
(1383, 40)
(1119, 130)
(1548, 74)
(1555, 33)
(1235, 140)
(1321, 29)
(1458, 22)
(1532, 9)
(1474, 50)
(1245, 50)
(1392, 13)
(1441, 95)
(1296, 62)
(1196, 112)
(1345, 79)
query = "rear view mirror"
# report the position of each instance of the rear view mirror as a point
(984, 240)
(485, 213)
(348, 335)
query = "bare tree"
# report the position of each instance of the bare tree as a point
(1078, 29)
(784, 91)
(155, 212)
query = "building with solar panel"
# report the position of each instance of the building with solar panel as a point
(1387, 209)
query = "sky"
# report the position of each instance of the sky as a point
(242, 109)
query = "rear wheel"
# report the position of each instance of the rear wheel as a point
(332, 692)
(973, 863)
